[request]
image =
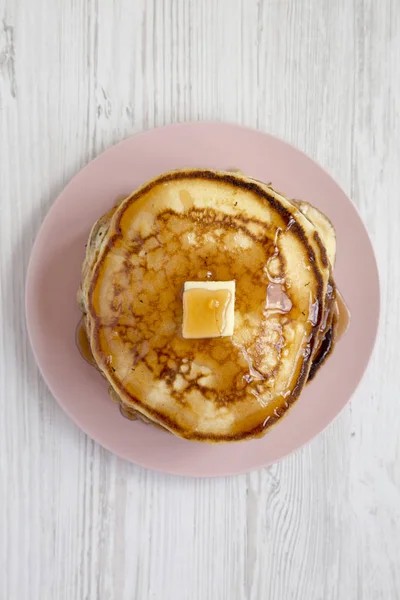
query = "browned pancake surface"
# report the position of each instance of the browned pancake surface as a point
(205, 226)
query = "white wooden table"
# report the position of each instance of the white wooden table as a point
(78, 523)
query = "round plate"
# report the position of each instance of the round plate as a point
(55, 269)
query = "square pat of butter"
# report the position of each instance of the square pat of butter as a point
(208, 309)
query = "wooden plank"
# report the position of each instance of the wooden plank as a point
(78, 523)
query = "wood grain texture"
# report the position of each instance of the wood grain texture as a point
(77, 523)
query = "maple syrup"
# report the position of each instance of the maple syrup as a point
(205, 312)
(343, 319)
(83, 344)
(125, 412)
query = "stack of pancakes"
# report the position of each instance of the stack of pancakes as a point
(203, 225)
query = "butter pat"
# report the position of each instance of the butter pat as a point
(208, 309)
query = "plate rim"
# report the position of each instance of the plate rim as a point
(29, 278)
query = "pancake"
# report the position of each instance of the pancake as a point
(327, 332)
(336, 316)
(324, 227)
(202, 225)
(325, 248)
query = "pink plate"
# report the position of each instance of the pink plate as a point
(54, 274)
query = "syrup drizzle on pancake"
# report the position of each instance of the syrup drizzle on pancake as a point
(208, 229)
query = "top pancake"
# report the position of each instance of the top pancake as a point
(196, 225)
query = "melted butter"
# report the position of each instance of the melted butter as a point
(205, 312)
(83, 344)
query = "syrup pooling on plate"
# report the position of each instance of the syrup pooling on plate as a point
(127, 413)
(83, 344)
(343, 319)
